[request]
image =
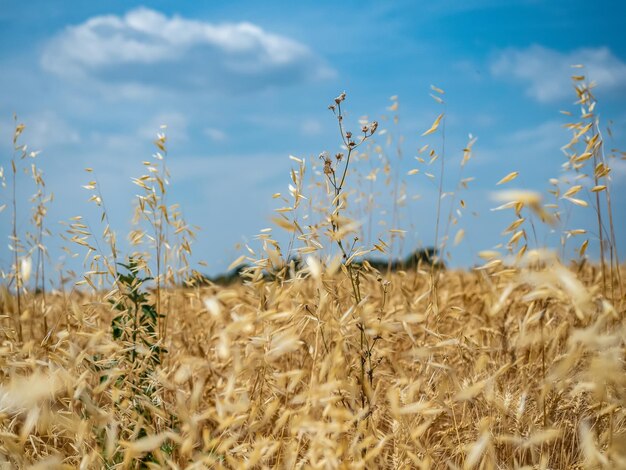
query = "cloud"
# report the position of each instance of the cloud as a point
(216, 135)
(175, 127)
(545, 72)
(43, 130)
(144, 46)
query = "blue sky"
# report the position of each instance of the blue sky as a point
(242, 85)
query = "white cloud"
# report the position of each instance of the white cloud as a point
(546, 72)
(216, 135)
(145, 46)
(43, 130)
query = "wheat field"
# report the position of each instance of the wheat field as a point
(314, 356)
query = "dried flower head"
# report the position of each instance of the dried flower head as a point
(340, 98)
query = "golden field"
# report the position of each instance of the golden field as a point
(269, 376)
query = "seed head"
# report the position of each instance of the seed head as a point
(340, 98)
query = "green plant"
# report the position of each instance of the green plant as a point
(136, 322)
(136, 327)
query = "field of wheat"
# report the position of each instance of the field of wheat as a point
(314, 356)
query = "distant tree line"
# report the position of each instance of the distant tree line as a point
(420, 257)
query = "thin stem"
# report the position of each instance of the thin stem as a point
(433, 278)
(600, 228)
(613, 246)
(18, 276)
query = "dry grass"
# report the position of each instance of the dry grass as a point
(268, 375)
(333, 364)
